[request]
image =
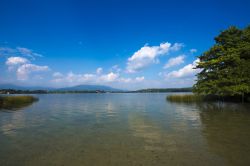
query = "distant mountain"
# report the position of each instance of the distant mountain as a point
(89, 88)
(17, 87)
(73, 88)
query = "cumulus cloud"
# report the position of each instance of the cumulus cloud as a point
(110, 77)
(125, 80)
(16, 61)
(72, 77)
(174, 61)
(139, 79)
(148, 55)
(86, 78)
(177, 46)
(187, 71)
(131, 80)
(24, 70)
(57, 74)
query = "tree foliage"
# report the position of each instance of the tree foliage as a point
(225, 67)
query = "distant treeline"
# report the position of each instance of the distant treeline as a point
(13, 91)
(164, 90)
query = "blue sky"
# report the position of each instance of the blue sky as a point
(124, 44)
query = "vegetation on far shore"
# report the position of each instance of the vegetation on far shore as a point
(153, 90)
(224, 69)
(159, 90)
(14, 102)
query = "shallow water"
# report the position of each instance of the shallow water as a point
(124, 129)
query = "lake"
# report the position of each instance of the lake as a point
(124, 129)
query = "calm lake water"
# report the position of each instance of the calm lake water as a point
(124, 129)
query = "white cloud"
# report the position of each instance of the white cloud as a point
(148, 55)
(131, 80)
(139, 79)
(24, 70)
(87, 78)
(99, 70)
(71, 77)
(177, 46)
(174, 61)
(110, 77)
(187, 71)
(16, 61)
(57, 74)
(125, 80)
(193, 50)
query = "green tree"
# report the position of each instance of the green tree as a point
(225, 67)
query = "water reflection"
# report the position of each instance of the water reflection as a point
(124, 129)
(13, 123)
(148, 131)
(226, 128)
(111, 111)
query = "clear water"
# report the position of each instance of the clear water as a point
(124, 129)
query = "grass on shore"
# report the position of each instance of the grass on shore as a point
(191, 98)
(187, 98)
(13, 102)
